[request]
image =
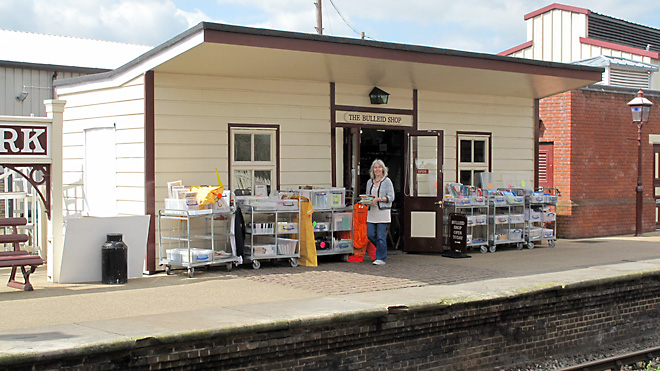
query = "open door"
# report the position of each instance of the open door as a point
(422, 216)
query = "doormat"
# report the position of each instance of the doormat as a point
(455, 254)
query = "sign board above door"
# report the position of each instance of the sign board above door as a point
(370, 118)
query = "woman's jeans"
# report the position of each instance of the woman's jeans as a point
(377, 234)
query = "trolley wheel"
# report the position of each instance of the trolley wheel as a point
(229, 266)
(493, 248)
(519, 246)
(484, 249)
(294, 262)
(344, 257)
(256, 264)
(168, 269)
(191, 272)
(530, 245)
(551, 243)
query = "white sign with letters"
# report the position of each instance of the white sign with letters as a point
(374, 118)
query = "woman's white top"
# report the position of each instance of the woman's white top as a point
(376, 214)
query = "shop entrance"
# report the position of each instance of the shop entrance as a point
(361, 147)
(414, 160)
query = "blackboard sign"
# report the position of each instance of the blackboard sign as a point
(458, 232)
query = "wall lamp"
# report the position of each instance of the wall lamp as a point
(378, 96)
(22, 96)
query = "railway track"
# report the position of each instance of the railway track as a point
(615, 363)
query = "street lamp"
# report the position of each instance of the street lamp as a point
(641, 108)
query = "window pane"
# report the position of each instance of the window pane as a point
(262, 147)
(263, 177)
(479, 151)
(466, 151)
(243, 180)
(477, 179)
(242, 147)
(466, 177)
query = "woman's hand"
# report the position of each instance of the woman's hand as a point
(375, 200)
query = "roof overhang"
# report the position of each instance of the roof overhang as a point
(220, 50)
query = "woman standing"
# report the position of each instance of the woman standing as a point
(381, 188)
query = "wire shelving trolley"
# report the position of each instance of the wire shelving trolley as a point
(475, 207)
(195, 238)
(272, 229)
(541, 217)
(506, 219)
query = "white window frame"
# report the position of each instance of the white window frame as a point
(253, 165)
(471, 165)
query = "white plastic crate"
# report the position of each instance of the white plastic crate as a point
(501, 219)
(287, 205)
(342, 221)
(480, 219)
(285, 227)
(337, 197)
(264, 250)
(343, 244)
(321, 227)
(549, 216)
(286, 246)
(477, 200)
(500, 201)
(515, 200)
(517, 218)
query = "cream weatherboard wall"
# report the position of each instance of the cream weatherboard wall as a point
(556, 37)
(121, 108)
(509, 120)
(193, 112)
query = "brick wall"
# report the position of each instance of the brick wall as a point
(478, 335)
(595, 162)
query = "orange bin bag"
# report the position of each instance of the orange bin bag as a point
(360, 240)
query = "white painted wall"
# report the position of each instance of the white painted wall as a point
(510, 120)
(193, 113)
(121, 107)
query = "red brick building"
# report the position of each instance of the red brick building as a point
(587, 141)
(593, 143)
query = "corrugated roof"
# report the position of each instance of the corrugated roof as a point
(27, 47)
(610, 61)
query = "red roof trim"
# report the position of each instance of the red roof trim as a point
(554, 6)
(619, 47)
(517, 48)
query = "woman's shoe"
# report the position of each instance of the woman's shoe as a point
(378, 262)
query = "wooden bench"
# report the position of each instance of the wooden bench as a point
(18, 258)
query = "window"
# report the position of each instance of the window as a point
(472, 158)
(253, 159)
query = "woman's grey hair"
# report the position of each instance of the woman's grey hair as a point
(382, 164)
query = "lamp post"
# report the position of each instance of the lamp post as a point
(641, 108)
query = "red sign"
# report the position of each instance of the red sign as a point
(422, 171)
(17, 140)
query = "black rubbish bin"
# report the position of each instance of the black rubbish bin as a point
(114, 253)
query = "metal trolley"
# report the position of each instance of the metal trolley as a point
(506, 220)
(541, 216)
(272, 230)
(476, 209)
(195, 238)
